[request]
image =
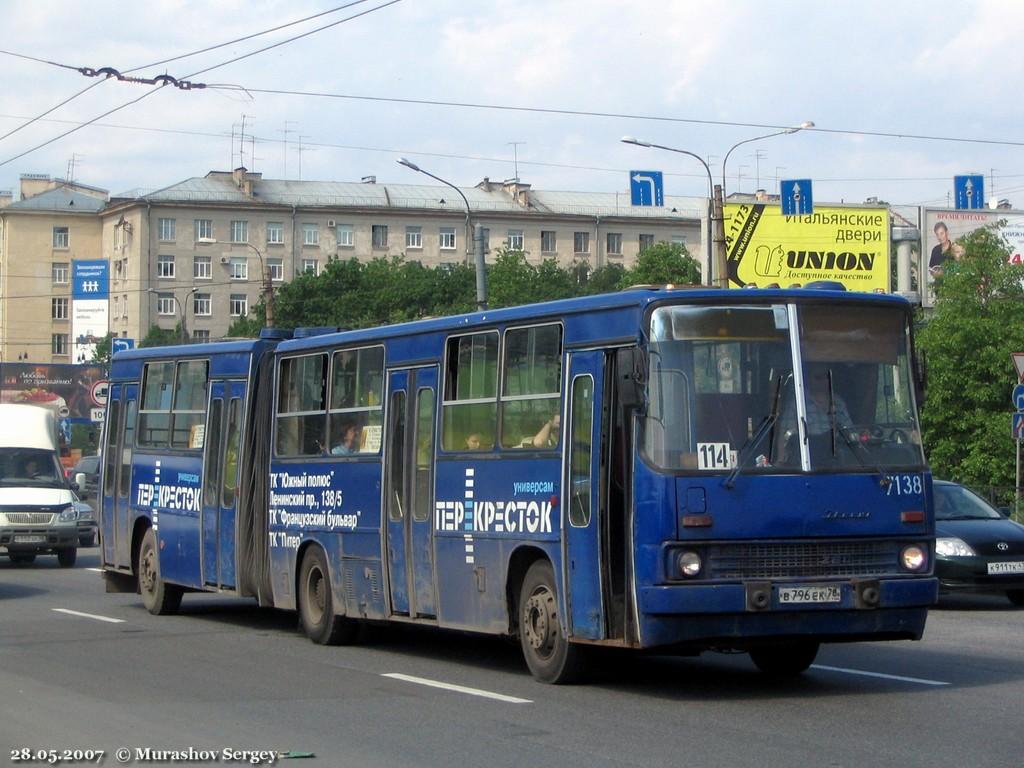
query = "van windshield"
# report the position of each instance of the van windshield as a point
(21, 467)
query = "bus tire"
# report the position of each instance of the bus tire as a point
(67, 556)
(316, 606)
(159, 597)
(785, 660)
(548, 652)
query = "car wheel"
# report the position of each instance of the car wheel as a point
(316, 606)
(785, 660)
(159, 597)
(23, 559)
(1016, 596)
(548, 652)
(67, 556)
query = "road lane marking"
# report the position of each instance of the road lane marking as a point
(863, 673)
(456, 688)
(95, 570)
(88, 615)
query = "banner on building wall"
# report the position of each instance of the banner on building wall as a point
(942, 228)
(846, 245)
(90, 306)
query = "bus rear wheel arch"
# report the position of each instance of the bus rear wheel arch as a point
(548, 652)
(320, 622)
(159, 597)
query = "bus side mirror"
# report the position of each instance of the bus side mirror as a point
(631, 374)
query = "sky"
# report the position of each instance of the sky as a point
(499, 77)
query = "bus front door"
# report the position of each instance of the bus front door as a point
(583, 496)
(116, 523)
(409, 496)
(220, 482)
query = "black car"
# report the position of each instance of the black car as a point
(976, 548)
(90, 467)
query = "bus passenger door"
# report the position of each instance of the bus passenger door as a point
(107, 492)
(410, 491)
(583, 495)
(220, 482)
(212, 466)
(117, 493)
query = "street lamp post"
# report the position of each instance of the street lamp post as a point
(478, 237)
(182, 333)
(268, 284)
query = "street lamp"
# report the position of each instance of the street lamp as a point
(268, 285)
(794, 129)
(711, 194)
(478, 238)
(182, 334)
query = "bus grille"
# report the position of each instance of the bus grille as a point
(29, 518)
(806, 559)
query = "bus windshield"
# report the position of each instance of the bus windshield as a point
(724, 389)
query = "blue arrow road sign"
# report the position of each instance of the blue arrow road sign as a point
(645, 188)
(1017, 426)
(120, 345)
(1018, 397)
(969, 191)
(797, 197)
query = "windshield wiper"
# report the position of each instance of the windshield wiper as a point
(766, 424)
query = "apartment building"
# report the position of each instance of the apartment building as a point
(194, 252)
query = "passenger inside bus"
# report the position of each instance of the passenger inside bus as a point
(547, 435)
(349, 444)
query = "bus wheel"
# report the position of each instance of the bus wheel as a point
(316, 607)
(784, 660)
(548, 653)
(159, 597)
(66, 557)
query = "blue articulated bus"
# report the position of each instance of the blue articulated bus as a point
(665, 469)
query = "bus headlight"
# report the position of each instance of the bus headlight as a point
(689, 564)
(913, 558)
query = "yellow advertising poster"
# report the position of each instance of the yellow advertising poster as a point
(847, 245)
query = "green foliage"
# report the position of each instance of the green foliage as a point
(605, 279)
(663, 263)
(245, 327)
(161, 337)
(977, 322)
(512, 280)
(102, 351)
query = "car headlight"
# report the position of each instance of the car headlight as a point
(68, 515)
(951, 546)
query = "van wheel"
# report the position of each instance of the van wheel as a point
(316, 606)
(66, 557)
(23, 559)
(548, 653)
(159, 597)
(784, 660)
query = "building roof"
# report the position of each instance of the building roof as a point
(60, 199)
(221, 188)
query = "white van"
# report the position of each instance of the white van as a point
(37, 511)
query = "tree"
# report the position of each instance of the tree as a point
(161, 337)
(977, 322)
(663, 263)
(102, 352)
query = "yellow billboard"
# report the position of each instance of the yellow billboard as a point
(847, 245)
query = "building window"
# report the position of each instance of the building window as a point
(310, 234)
(164, 266)
(59, 308)
(581, 242)
(615, 243)
(414, 237)
(379, 234)
(548, 241)
(202, 305)
(239, 268)
(238, 305)
(59, 343)
(60, 237)
(310, 265)
(345, 235)
(59, 272)
(199, 335)
(166, 230)
(679, 240)
(165, 304)
(276, 269)
(447, 239)
(239, 231)
(202, 268)
(275, 233)
(204, 229)
(515, 239)
(646, 241)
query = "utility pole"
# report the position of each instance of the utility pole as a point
(515, 158)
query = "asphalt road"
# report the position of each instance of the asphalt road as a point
(225, 674)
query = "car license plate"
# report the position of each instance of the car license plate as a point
(789, 595)
(28, 538)
(995, 568)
